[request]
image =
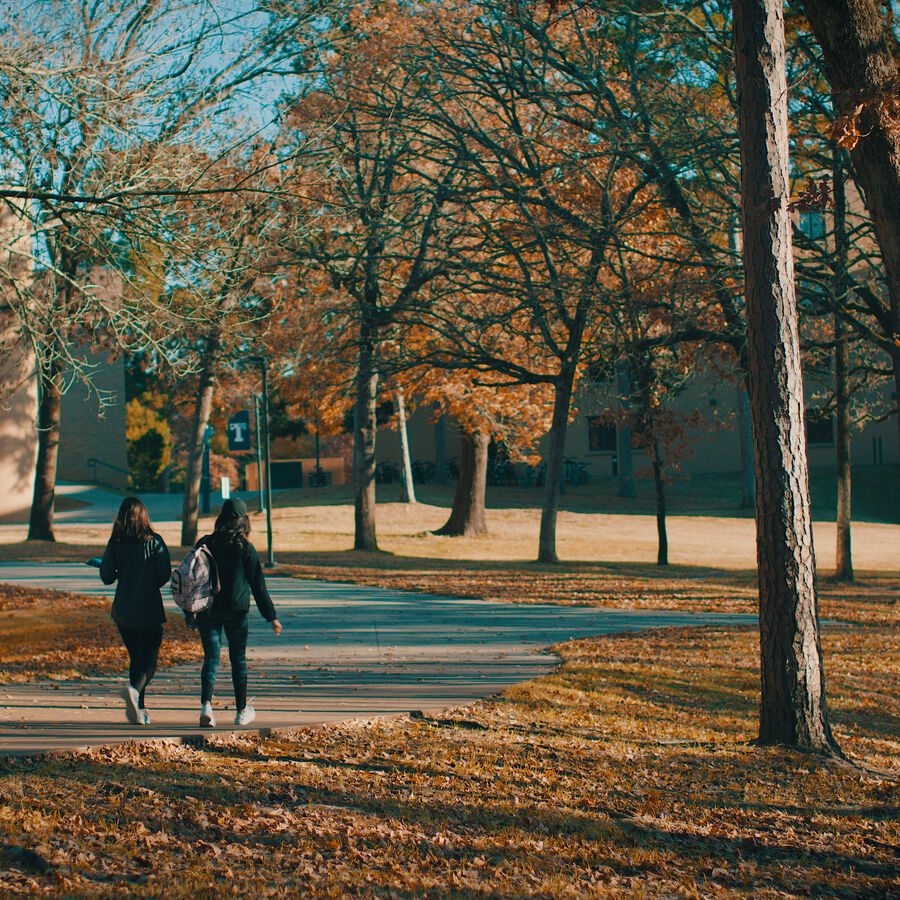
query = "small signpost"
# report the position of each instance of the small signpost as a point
(239, 435)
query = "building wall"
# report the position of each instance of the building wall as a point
(714, 448)
(90, 430)
(718, 449)
(18, 392)
(86, 432)
(428, 438)
(18, 436)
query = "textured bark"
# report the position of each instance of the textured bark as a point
(647, 424)
(843, 569)
(745, 435)
(859, 62)
(895, 363)
(364, 537)
(662, 553)
(555, 460)
(792, 703)
(468, 516)
(190, 509)
(440, 449)
(407, 488)
(40, 524)
(623, 435)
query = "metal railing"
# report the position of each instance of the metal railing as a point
(93, 462)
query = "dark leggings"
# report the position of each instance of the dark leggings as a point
(143, 646)
(236, 634)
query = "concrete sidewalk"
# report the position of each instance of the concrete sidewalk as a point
(346, 652)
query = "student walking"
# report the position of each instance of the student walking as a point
(240, 575)
(137, 559)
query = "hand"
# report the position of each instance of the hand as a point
(276, 626)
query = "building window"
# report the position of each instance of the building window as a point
(601, 435)
(819, 427)
(812, 224)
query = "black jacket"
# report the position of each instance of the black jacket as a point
(240, 575)
(140, 568)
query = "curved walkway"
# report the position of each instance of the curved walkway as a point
(346, 652)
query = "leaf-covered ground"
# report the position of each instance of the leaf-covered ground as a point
(61, 635)
(625, 774)
(871, 599)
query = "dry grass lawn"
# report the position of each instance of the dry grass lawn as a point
(705, 528)
(626, 773)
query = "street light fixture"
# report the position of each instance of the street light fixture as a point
(263, 364)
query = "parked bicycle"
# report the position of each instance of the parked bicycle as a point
(386, 473)
(422, 471)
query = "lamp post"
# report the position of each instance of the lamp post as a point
(259, 471)
(319, 479)
(261, 361)
(205, 474)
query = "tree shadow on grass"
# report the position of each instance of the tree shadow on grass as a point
(387, 561)
(617, 834)
(710, 494)
(677, 693)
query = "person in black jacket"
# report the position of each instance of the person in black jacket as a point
(137, 558)
(240, 575)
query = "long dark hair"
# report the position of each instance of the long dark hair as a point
(133, 522)
(233, 524)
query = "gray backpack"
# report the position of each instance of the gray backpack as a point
(196, 581)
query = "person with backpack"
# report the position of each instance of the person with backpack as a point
(137, 559)
(239, 574)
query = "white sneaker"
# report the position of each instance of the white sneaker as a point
(207, 719)
(131, 696)
(145, 717)
(245, 716)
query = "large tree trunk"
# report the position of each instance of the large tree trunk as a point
(190, 509)
(662, 553)
(40, 524)
(745, 436)
(858, 61)
(843, 569)
(555, 461)
(364, 537)
(468, 516)
(623, 434)
(792, 704)
(407, 488)
(646, 376)
(441, 475)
